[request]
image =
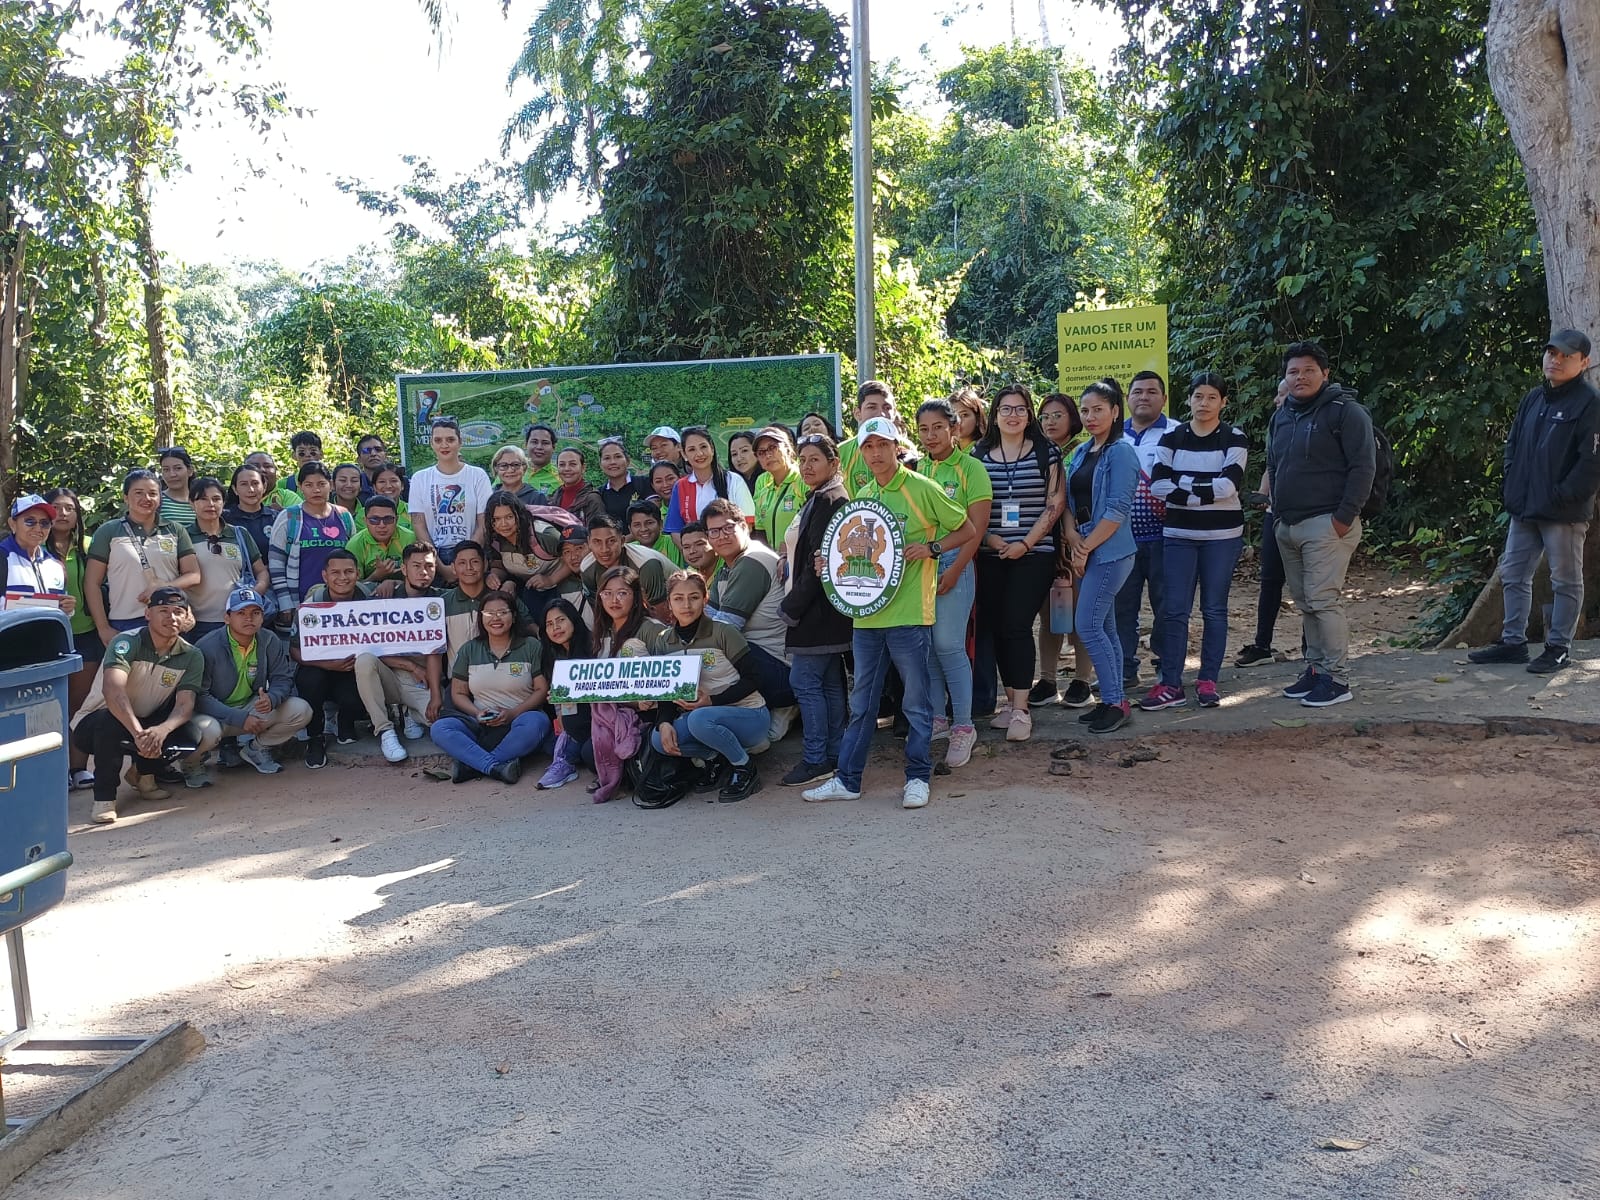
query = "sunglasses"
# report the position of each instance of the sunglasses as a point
(613, 440)
(376, 520)
(35, 522)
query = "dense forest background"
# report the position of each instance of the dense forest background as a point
(1270, 170)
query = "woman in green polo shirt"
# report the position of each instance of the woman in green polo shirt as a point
(390, 480)
(779, 490)
(497, 685)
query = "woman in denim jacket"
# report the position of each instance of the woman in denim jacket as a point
(1101, 477)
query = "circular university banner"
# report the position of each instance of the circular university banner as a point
(862, 554)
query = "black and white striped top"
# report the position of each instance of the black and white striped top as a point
(1200, 479)
(1020, 481)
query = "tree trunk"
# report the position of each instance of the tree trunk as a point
(1056, 99)
(155, 305)
(13, 251)
(1544, 66)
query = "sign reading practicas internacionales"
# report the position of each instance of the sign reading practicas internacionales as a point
(332, 631)
(625, 680)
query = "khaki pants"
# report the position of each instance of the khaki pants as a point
(1315, 559)
(288, 719)
(381, 685)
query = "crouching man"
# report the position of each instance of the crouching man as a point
(143, 701)
(248, 685)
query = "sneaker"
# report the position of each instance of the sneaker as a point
(1078, 694)
(103, 812)
(80, 780)
(316, 752)
(1130, 683)
(228, 753)
(1087, 718)
(743, 782)
(197, 775)
(803, 773)
(389, 743)
(145, 785)
(259, 757)
(834, 789)
(916, 794)
(1206, 693)
(1043, 692)
(1021, 727)
(1111, 718)
(941, 729)
(1001, 718)
(1551, 661)
(346, 737)
(779, 720)
(1161, 696)
(962, 739)
(1253, 656)
(1500, 652)
(508, 772)
(558, 774)
(1327, 691)
(1301, 688)
(413, 731)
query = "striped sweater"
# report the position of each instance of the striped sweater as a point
(1200, 478)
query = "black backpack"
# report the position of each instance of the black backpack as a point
(1383, 457)
(658, 780)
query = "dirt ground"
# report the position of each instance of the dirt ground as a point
(1179, 978)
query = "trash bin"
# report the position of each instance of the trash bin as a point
(35, 660)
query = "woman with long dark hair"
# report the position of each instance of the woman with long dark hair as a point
(177, 475)
(1058, 417)
(227, 555)
(302, 538)
(245, 506)
(705, 481)
(562, 635)
(1017, 560)
(743, 459)
(620, 630)
(513, 558)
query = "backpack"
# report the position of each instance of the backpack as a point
(549, 523)
(1383, 458)
(658, 780)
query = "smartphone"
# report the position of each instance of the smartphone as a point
(489, 714)
(1256, 499)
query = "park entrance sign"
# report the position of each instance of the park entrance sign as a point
(1118, 342)
(585, 404)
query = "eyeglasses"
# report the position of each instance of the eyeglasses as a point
(376, 520)
(614, 594)
(719, 531)
(1013, 410)
(34, 522)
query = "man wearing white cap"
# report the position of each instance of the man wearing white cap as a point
(665, 445)
(930, 523)
(247, 690)
(32, 572)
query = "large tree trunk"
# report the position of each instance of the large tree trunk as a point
(1544, 66)
(155, 305)
(13, 251)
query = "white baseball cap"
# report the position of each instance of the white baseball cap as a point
(664, 431)
(877, 427)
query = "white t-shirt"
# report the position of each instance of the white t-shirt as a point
(451, 504)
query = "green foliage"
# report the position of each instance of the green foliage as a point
(361, 338)
(1341, 172)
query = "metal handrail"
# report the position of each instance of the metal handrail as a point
(39, 743)
(41, 868)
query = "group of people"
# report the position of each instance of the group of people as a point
(1021, 525)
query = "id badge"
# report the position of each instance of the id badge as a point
(1010, 514)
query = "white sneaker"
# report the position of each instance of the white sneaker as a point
(413, 731)
(393, 751)
(779, 720)
(916, 795)
(103, 812)
(832, 790)
(259, 757)
(941, 728)
(962, 739)
(1020, 727)
(1001, 718)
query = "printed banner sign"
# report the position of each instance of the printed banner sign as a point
(331, 631)
(585, 404)
(625, 680)
(862, 551)
(1111, 341)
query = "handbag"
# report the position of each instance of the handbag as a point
(658, 780)
(269, 604)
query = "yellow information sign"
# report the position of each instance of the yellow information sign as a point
(1111, 341)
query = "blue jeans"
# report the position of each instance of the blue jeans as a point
(949, 668)
(484, 747)
(907, 647)
(1562, 544)
(1144, 571)
(772, 677)
(1096, 621)
(724, 729)
(818, 684)
(1184, 562)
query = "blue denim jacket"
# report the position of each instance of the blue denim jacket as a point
(1116, 476)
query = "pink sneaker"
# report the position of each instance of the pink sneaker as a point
(1206, 693)
(1161, 696)
(941, 728)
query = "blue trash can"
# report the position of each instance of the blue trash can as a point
(36, 659)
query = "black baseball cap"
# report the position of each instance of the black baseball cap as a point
(163, 596)
(1570, 341)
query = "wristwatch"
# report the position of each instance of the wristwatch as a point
(935, 549)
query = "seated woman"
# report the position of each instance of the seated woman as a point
(497, 687)
(514, 560)
(562, 635)
(620, 631)
(728, 718)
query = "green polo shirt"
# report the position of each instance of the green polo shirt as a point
(925, 514)
(367, 550)
(853, 469)
(668, 549)
(498, 683)
(545, 480)
(152, 677)
(777, 505)
(962, 477)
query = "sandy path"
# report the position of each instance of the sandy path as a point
(1100, 986)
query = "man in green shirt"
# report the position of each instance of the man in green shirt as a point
(539, 443)
(379, 546)
(873, 399)
(929, 523)
(249, 684)
(644, 529)
(144, 699)
(332, 680)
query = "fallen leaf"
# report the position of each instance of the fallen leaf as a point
(438, 773)
(1290, 722)
(721, 48)
(1444, 678)
(1340, 1144)
(1462, 1042)
(1304, 878)
(503, 1069)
